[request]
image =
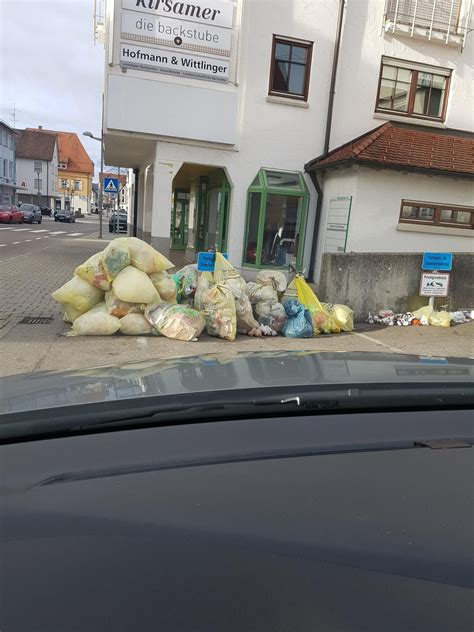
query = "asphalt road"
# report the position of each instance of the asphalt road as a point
(21, 240)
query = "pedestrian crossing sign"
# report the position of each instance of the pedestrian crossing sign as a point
(111, 185)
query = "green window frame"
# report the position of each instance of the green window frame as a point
(262, 194)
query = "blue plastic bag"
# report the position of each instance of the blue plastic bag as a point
(299, 323)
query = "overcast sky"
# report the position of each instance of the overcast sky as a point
(50, 69)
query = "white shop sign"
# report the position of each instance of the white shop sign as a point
(173, 62)
(189, 36)
(211, 12)
(434, 284)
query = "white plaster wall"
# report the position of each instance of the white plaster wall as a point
(376, 208)
(363, 45)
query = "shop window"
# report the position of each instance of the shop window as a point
(276, 219)
(436, 214)
(411, 89)
(290, 68)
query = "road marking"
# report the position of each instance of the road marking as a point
(379, 342)
(38, 238)
(28, 254)
(2, 245)
(16, 242)
(18, 229)
(25, 240)
(8, 228)
(41, 230)
(57, 232)
(74, 234)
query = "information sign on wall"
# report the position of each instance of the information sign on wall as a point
(338, 223)
(434, 284)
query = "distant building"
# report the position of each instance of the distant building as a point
(37, 167)
(75, 172)
(7, 164)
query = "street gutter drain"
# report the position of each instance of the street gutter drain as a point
(35, 320)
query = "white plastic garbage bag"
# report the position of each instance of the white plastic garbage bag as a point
(115, 257)
(273, 278)
(145, 257)
(96, 322)
(78, 294)
(135, 325)
(165, 286)
(258, 293)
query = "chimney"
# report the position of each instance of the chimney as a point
(40, 127)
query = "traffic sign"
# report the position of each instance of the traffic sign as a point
(434, 284)
(207, 260)
(437, 261)
(111, 185)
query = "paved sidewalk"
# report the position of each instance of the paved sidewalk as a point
(27, 282)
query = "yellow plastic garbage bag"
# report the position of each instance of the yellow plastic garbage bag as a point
(175, 321)
(220, 314)
(116, 257)
(96, 322)
(165, 286)
(423, 314)
(226, 275)
(204, 283)
(145, 257)
(440, 319)
(291, 293)
(342, 316)
(134, 286)
(78, 294)
(135, 325)
(93, 272)
(118, 308)
(70, 314)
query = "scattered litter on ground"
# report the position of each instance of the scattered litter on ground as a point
(423, 316)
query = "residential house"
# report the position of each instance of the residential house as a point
(75, 172)
(37, 167)
(7, 164)
(245, 137)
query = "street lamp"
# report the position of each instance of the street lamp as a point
(101, 141)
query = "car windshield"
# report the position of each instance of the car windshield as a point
(202, 180)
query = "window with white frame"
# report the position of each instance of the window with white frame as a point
(77, 185)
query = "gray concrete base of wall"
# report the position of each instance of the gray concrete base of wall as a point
(369, 282)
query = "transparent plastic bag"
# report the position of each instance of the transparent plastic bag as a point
(145, 257)
(260, 293)
(423, 314)
(271, 314)
(116, 257)
(273, 278)
(96, 322)
(342, 316)
(186, 282)
(78, 294)
(440, 319)
(135, 325)
(165, 286)
(70, 314)
(134, 286)
(226, 275)
(118, 308)
(223, 270)
(220, 314)
(93, 272)
(291, 293)
(299, 322)
(175, 321)
(204, 283)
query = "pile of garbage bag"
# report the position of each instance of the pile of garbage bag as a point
(127, 289)
(423, 316)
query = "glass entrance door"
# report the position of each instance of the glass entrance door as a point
(179, 219)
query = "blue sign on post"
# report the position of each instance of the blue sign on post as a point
(111, 185)
(207, 260)
(437, 261)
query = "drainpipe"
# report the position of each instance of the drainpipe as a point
(327, 136)
(136, 173)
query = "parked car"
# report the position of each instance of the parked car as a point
(31, 213)
(64, 215)
(10, 214)
(45, 210)
(118, 222)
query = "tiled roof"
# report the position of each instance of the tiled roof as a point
(72, 152)
(35, 144)
(399, 146)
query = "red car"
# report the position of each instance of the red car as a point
(10, 214)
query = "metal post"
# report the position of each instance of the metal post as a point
(101, 184)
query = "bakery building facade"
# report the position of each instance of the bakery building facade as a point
(225, 111)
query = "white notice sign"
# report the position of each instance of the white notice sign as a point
(173, 62)
(434, 284)
(212, 12)
(337, 223)
(188, 36)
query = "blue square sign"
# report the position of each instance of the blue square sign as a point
(111, 185)
(207, 260)
(437, 261)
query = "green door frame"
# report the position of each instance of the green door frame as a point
(223, 214)
(202, 215)
(179, 243)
